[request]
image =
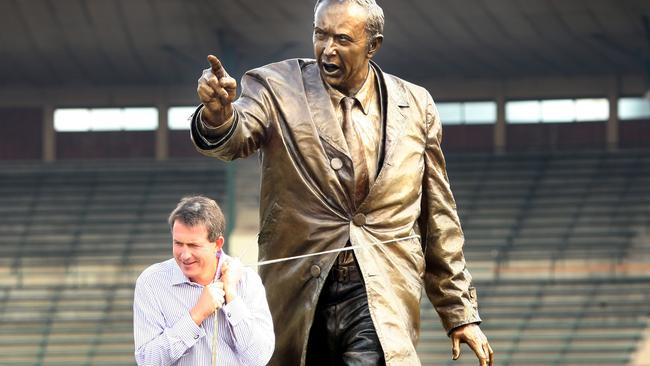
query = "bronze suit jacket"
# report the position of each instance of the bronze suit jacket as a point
(285, 112)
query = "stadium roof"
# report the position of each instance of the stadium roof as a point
(54, 43)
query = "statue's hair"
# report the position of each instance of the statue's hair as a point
(375, 23)
(199, 210)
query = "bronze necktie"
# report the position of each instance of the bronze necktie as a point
(355, 147)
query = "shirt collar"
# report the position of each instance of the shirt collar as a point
(363, 96)
(178, 277)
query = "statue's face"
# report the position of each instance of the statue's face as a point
(341, 45)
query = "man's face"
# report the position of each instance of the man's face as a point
(341, 45)
(194, 253)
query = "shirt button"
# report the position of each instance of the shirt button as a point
(336, 163)
(359, 219)
(315, 271)
(229, 315)
(196, 336)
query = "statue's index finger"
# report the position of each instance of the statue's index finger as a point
(217, 68)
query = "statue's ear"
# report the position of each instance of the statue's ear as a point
(374, 45)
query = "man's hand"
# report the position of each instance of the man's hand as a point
(216, 90)
(231, 272)
(211, 299)
(476, 340)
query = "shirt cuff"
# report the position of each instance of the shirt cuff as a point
(187, 331)
(456, 326)
(214, 133)
(202, 134)
(235, 311)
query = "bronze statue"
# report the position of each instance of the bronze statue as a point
(350, 157)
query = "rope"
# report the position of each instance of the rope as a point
(271, 261)
(214, 336)
(215, 333)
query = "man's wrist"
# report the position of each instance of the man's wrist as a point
(231, 296)
(197, 316)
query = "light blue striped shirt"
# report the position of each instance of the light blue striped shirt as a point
(165, 334)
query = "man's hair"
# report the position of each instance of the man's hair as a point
(375, 22)
(199, 210)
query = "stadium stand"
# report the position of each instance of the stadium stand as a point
(534, 206)
(569, 282)
(74, 237)
(552, 322)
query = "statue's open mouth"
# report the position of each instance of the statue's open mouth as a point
(330, 68)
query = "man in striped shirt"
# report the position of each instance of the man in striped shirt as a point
(176, 301)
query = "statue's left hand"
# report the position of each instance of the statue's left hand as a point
(476, 340)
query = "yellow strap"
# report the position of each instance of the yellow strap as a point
(214, 337)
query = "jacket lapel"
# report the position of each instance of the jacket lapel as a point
(395, 115)
(322, 111)
(395, 111)
(330, 133)
(323, 117)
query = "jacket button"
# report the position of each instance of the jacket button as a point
(336, 163)
(359, 219)
(315, 271)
